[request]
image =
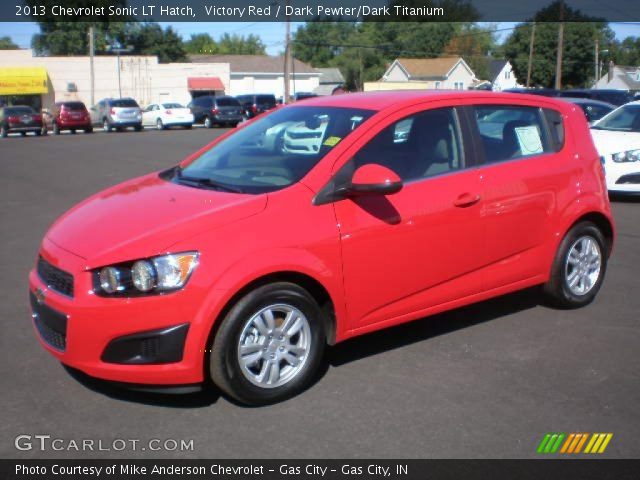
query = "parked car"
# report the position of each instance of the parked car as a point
(545, 92)
(306, 137)
(165, 115)
(617, 138)
(117, 114)
(594, 110)
(20, 118)
(614, 97)
(212, 111)
(255, 104)
(71, 116)
(303, 96)
(241, 263)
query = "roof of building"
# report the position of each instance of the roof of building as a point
(254, 63)
(330, 75)
(425, 68)
(495, 67)
(625, 74)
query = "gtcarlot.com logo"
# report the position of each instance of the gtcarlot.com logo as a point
(50, 443)
(574, 443)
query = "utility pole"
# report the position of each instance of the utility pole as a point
(560, 48)
(596, 63)
(92, 52)
(287, 54)
(117, 47)
(530, 64)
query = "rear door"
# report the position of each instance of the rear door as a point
(421, 247)
(523, 171)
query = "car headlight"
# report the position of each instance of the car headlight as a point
(164, 273)
(628, 156)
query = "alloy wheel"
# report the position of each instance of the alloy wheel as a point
(582, 265)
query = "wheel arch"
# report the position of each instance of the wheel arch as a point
(602, 222)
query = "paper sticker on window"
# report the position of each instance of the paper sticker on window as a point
(331, 141)
(529, 140)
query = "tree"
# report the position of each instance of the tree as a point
(151, 39)
(240, 45)
(201, 43)
(7, 44)
(625, 52)
(580, 34)
(476, 45)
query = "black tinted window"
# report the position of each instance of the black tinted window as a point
(124, 103)
(76, 106)
(419, 146)
(509, 132)
(203, 102)
(19, 111)
(227, 102)
(265, 99)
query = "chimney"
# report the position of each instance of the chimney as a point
(610, 73)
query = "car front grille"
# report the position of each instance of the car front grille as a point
(54, 278)
(51, 324)
(632, 178)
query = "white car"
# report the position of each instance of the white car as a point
(307, 137)
(617, 138)
(165, 115)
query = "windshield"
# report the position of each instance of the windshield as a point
(274, 151)
(19, 111)
(74, 106)
(624, 119)
(172, 105)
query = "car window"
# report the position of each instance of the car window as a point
(509, 132)
(19, 111)
(227, 102)
(624, 119)
(124, 103)
(420, 146)
(273, 152)
(265, 99)
(74, 106)
(171, 105)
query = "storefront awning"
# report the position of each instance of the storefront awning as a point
(199, 84)
(23, 81)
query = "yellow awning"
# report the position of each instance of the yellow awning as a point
(23, 80)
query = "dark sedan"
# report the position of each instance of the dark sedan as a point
(22, 119)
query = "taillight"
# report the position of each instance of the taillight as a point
(215, 111)
(37, 118)
(13, 119)
(254, 108)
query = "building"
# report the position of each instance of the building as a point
(502, 76)
(263, 74)
(330, 80)
(620, 77)
(426, 73)
(41, 81)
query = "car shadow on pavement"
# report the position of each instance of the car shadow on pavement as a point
(204, 398)
(432, 326)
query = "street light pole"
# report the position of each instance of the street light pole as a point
(116, 47)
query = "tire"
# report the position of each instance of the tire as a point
(24, 134)
(38, 132)
(88, 130)
(56, 129)
(138, 128)
(73, 131)
(188, 127)
(579, 267)
(44, 132)
(4, 131)
(160, 125)
(106, 126)
(207, 122)
(253, 384)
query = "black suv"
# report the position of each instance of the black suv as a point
(255, 104)
(211, 110)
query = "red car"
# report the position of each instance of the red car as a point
(241, 263)
(68, 116)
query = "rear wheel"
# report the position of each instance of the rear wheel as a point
(88, 130)
(579, 267)
(73, 131)
(208, 123)
(4, 131)
(138, 128)
(269, 346)
(106, 126)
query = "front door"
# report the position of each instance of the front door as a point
(422, 246)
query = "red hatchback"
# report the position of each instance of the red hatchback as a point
(244, 261)
(68, 116)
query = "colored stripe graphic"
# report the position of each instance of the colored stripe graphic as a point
(572, 443)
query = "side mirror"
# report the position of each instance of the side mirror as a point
(374, 179)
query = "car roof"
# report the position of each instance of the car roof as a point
(590, 101)
(381, 100)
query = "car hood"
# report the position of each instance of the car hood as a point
(145, 217)
(609, 141)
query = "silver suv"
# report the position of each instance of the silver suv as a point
(117, 113)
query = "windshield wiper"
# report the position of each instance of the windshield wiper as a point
(208, 183)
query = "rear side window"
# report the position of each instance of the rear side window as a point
(510, 132)
(556, 128)
(265, 99)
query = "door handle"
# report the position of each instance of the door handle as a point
(466, 200)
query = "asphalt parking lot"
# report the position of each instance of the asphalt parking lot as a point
(488, 380)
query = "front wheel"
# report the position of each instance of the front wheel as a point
(159, 124)
(579, 267)
(269, 346)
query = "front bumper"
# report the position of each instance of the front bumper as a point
(622, 177)
(117, 338)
